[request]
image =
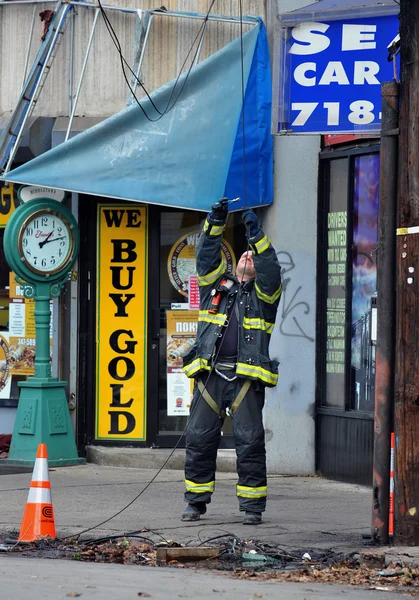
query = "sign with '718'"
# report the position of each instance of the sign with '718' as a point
(330, 80)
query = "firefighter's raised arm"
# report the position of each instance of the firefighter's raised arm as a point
(268, 272)
(209, 263)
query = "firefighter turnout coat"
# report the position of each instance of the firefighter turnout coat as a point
(257, 307)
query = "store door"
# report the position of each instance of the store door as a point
(176, 312)
(346, 289)
(137, 319)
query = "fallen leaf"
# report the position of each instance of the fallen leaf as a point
(144, 594)
(73, 594)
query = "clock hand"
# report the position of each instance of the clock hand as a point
(47, 241)
(41, 244)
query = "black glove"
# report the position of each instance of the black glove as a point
(251, 222)
(219, 211)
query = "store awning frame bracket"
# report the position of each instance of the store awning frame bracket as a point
(34, 82)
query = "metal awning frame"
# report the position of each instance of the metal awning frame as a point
(294, 17)
(144, 24)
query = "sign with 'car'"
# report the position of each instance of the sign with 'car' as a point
(329, 80)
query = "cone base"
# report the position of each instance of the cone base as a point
(37, 523)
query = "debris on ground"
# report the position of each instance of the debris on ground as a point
(243, 559)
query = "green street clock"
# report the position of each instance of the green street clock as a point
(41, 240)
(41, 244)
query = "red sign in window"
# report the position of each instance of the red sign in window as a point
(193, 293)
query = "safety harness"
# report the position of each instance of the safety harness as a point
(211, 402)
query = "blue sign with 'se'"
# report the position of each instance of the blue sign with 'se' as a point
(332, 76)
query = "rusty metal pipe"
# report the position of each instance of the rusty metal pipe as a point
(386, 305)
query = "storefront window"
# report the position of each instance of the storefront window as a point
(364, 279)
(349, 265)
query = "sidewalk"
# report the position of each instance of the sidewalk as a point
(303, 512)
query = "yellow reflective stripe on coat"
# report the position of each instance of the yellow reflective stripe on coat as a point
(245, 491)
(217, 319)
(258, 324)
(199, 488)
(261, 245)
(213, 276)
(265, 297)
(215, 229)
(255, 371)
(196, 365)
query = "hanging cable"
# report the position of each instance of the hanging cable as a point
(169, 105)
(238, 295)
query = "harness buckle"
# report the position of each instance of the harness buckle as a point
(224, 376)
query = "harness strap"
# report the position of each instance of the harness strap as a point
(240, 396)
(209, 400)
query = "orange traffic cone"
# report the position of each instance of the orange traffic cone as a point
(38, 518)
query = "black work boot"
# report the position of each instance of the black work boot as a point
(252, 518)
(193, 512)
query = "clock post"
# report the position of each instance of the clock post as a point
(41, 244)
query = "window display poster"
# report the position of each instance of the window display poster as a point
(336, 300)
(181, 261)
(364, 277)
(22, 342)
(182, 326)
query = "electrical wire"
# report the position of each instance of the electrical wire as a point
(124, 63)
(240, 290)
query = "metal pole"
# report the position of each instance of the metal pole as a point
(34, 91)
(149, 19)
(71, 63)
(89, 45)
(386, 305)
(25, 70)
(198, 51)
(201, 16)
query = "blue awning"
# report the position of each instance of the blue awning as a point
(191, 156)
(331, 10)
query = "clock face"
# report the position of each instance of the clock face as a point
(45, 242)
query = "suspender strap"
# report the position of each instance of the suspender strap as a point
(240, 397)
(209, 400)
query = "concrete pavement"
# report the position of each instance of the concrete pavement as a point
(303, 512)
(38, 579)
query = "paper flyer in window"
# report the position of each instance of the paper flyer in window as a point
(181, 333)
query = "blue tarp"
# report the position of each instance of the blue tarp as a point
(191, 156)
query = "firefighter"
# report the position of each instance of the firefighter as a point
(230, 364)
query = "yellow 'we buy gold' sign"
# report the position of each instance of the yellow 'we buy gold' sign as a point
(121, 331)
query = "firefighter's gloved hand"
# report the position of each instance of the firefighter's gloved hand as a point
(251, 223)
(219, 211)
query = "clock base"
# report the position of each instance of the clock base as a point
(43, 418)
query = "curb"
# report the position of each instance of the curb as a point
(152, 458)
(387, 555)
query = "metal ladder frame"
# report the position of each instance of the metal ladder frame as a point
(12, 135)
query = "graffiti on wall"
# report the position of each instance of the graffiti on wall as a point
(293, 305)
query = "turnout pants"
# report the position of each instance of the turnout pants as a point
(203, 437)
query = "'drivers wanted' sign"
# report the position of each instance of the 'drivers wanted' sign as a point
(121, 330)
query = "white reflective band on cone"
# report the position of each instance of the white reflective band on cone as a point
(39, 496)
(40, 470)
